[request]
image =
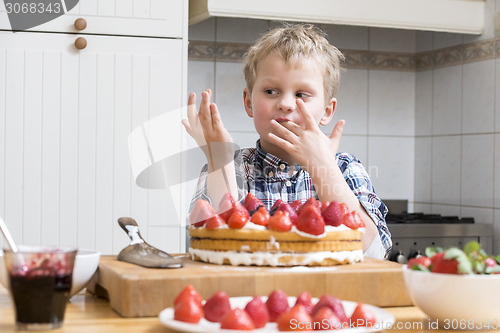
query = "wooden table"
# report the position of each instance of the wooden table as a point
(86, 313)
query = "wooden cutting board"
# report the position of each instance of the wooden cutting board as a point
(135, 291)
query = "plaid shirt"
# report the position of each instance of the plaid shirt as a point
(268, 178)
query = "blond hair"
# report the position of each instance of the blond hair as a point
(292, 42)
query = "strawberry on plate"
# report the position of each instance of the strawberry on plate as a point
(201, 212)
(214, 222)
(305, 299)
(188, 292)
(261, 216)
(310, 221)
(280, 205)
(239, 217)
(296, 204)
(311, 201)
(362, 317)
(277, 303)
(420, 263)
(297, 319)
(333, 304)
(280, 221)
(451, 261)
(257, 310)
(353, 220)
(237, 319)
(217, 307)
(188, 310)
(325, 319)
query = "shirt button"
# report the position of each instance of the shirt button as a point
(288, 183)
(271, 174)
(282, 166)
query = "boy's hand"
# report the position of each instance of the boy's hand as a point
(207, 129)
(309, 146)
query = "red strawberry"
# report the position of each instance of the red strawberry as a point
(353, 220)
(188, 310)
(332, 214)
(226, 206)
(305, 299)
(334, 304)
(188, 292)
(251, 202)
(362, 316)
(283, 206)
(297, 319)
(325, 319)
(239, 217)
(257, 310)
(261, 216)
(311, 201)
(296, 204)
(277, 303)
(422, 261)
(214, 222)
(310, 221)
(237, 319)
(200, 213)
(280, 221)
(344, 209)
(217, 306)
(442, 265)
(490, 262)
(325, 205)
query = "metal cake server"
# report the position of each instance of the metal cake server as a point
(141, 253)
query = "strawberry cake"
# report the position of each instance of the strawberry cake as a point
(295, 234)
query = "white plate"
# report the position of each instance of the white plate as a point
(384, 319)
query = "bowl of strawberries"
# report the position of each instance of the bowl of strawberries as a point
(456, 288)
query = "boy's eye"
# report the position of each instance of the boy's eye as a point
(270, 91)
(300, 95)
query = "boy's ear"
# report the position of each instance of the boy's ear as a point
(329, 110)
(247, 100)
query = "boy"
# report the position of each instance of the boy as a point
(292, 75)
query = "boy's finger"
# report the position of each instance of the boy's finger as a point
(308, 118)
(191, 108)
(216, 119)
(283, 132)
(280, 142)
(204, 114)
(338, 130)
(292, 127)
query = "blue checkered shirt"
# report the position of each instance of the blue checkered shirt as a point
(268, 178)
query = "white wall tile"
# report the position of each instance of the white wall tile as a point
(356, 145)
(391, 106)
(352, 103)
(478, 97)
(347, 37)
(446, 174)
(421, 208)
(497, 95)
(423, 103)
(203, 31)
(477, 170)
(165, 238)
(391, 166)
(201, 75)
(496, 232)
(496, 193)
(480, 215)
(245, 139)
(392, 40)
(424, 41)
(447, 100)
(239, 30)
(229, 85)
(423, 167)
(445, 210)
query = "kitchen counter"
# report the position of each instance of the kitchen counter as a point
(86, 313)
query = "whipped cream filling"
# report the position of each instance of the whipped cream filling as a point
(273, 258)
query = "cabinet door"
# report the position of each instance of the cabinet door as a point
(65, 118)
(162, 18)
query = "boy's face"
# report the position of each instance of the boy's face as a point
(277, 87)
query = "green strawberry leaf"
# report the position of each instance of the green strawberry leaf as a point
(431, 251)
(419, 267)
(479, 267)
(464, 264)
(492, 270)
(497, 259)
(471, 247)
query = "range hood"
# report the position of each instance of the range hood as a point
(456, 16)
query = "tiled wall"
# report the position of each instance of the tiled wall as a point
(420, 108)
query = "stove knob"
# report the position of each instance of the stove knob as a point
(401, 258)
(414, 254)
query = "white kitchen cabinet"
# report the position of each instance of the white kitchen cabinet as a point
(161, 18)
(65, 118)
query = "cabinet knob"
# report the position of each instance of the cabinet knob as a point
(80, 43)
(80, 24)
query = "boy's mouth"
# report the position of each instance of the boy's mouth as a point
(282, 120)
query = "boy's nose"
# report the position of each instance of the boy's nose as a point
(287, 103)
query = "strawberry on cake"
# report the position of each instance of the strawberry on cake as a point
(309, 234)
